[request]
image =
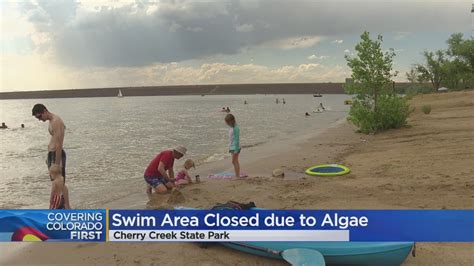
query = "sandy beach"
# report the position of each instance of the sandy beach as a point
(427, 165)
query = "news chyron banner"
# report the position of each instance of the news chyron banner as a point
(187, 225)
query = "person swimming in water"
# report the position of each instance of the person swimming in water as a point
(4, 126)
(321, 106)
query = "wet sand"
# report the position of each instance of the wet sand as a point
(427, 165)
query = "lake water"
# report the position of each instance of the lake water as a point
(110, 141)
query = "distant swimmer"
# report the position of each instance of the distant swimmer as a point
(22, 125)
(56, 159)
(283, 101)
(245, 102)
(307, 114)
(227, 110)
(321, 106)
(159, 174)
(4, 126)
(276, 101)
(223, 109)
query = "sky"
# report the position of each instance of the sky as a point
(89, 44)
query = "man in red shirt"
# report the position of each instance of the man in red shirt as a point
(159, 174)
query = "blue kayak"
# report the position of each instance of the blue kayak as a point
(338, 253)
(334, 253)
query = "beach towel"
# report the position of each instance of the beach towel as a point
(226, 175)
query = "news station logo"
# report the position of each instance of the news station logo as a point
(49, 225)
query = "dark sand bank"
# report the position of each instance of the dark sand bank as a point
(221, 89)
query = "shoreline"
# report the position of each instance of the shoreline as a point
(423, 166)
(251, 163)
(138, 200)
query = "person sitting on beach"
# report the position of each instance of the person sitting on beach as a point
(234, 147)
(4, 126)
(159, 174)
(182, 177)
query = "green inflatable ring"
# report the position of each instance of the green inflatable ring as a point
(327, 170)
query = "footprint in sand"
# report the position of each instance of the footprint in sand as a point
(195, 190)
(155, 199)
(145, 261)
(176, 197)
(87, 245)
(165, 201)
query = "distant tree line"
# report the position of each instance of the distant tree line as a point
(452, 68)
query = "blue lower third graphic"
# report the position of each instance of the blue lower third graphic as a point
(190, 225)
(292, 225)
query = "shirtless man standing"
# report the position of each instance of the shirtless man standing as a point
(56, 160)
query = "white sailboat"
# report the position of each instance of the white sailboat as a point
(120, 94)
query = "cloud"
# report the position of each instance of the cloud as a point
(222, 73)
(244, 28)
(337, 41)
(294, 43)
(349, 52)
(401, 35)
(315, 57)
(53, 76)
(246, 73)
(142, 33)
